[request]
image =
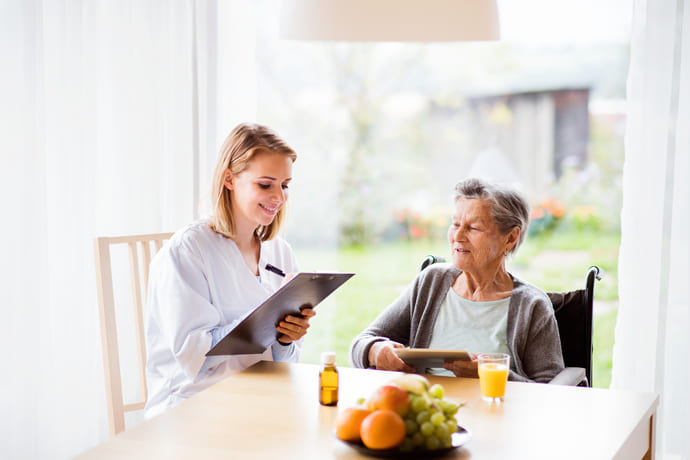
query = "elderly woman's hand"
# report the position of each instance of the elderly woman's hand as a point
(383, 356)
(463, 368)
(294, 327)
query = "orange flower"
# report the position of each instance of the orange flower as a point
(537, 213)
(416, 231)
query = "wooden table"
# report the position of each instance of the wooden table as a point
(271, 411)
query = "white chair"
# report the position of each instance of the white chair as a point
(139, 248)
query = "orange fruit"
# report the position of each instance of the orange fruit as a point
(382, 429)
(348, 423)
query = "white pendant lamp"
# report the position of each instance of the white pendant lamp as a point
(390, 20)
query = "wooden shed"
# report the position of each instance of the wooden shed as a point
(539, 132)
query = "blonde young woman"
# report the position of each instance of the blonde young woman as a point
(213, 271)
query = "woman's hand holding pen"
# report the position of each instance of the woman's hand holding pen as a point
(294, 327)
(286, 276)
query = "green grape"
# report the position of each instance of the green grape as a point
(435, 406)
(436, 391)
(441, 431)
(446, 442)
(419, 404)
(418, 439)
(407, 445)
(443, 405)
(437, 418)
(427, 428)
(432, 443)
(411, 427)
(430, 422)
(450, 408)
(452, 425)
(423, 416)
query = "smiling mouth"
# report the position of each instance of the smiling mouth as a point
(270, 209)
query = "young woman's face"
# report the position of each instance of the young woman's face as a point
(261, 189)
(475, 241)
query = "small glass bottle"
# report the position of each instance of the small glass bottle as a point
(328, 380)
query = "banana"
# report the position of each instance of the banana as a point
(412, 383)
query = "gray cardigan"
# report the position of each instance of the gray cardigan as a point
(532, 332)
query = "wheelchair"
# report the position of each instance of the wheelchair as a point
(574, 315)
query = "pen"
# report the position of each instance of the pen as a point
(275, 270)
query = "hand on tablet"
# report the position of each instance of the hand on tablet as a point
(382, 356)
(294, 327)
(463, 368)
(288, 277)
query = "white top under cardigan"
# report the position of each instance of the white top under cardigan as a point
(463, 324)
(198, 282)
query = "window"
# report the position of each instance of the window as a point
(385, 130)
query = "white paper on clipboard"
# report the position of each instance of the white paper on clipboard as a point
(257, 331)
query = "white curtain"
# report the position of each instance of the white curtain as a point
(652, 342)
(111, 114)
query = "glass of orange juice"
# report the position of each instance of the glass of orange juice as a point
(493, 375)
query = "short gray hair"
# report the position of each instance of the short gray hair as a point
(509, 207)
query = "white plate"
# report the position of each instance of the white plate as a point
(457, 439)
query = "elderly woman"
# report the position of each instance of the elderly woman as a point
(473, 304)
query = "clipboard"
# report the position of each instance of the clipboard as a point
(257, 331)
(424, 358)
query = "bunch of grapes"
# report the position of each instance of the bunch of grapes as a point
(430, 422)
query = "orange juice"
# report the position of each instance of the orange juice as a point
(492, 379)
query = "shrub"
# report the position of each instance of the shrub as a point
(411, 225)
(546, 216)
(585, 217)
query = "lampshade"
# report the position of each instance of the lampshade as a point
(390, 20)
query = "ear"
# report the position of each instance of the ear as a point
(228, 180)
(512, 238)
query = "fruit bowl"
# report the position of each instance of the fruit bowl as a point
(459, 438)
(406, 417)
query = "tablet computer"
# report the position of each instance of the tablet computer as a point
(424, 358)
(257, 331)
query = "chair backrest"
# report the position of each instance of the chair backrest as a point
(574, 315)
(139, 247)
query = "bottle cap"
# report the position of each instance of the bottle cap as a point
(328, 357)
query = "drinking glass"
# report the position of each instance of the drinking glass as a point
(493, 375)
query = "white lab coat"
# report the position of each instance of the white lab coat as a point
(198, 281)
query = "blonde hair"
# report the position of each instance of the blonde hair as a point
(238, 149)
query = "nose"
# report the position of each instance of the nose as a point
(459, 233)
(280, 194)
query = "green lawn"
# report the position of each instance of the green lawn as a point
(604, 325)
(553, 262)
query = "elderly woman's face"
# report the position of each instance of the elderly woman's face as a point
(475, 241)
